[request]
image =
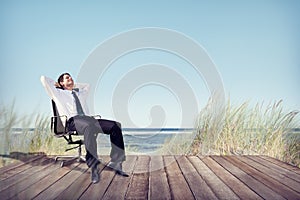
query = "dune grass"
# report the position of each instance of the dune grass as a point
(244, 130)
(27, 139)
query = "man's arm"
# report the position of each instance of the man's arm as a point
(82, 86)
(50, 86)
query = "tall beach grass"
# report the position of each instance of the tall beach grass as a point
(249, 130)
(26, 138)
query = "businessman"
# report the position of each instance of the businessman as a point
(70, 99)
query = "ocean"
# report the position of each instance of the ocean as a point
(137, 140)
(146, 141)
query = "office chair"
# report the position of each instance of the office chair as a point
(59, 129)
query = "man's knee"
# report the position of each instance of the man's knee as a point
(119, 124)
(116, 129)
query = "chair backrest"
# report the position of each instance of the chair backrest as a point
(58, 123)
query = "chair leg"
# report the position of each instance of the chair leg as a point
(67, 162)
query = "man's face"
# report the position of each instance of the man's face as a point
(67, 82)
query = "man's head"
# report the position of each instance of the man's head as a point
(65, 81)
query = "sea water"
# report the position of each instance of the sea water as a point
(144, 141)
(136, 140)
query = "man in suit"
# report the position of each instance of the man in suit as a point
(70, 100)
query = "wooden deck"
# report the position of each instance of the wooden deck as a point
(154, 177)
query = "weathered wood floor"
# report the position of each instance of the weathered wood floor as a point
(154, 177)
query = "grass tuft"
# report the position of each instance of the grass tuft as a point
(245, 130)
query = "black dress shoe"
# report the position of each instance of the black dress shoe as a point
(122, 173)
(117, 166)
(95, 174)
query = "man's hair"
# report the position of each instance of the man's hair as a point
(61, 79)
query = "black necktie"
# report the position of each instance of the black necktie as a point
(78, 104)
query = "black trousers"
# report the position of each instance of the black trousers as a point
(89, 127)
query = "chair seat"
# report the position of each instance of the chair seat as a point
(65, 134)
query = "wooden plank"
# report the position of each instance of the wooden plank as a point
(282, 164)
(197, 185)
(96, 191)
(260, 182)
(139, 185)
(220, 189)
(27, 171)
(19, 163)
(79, 186)
(118, 187)
(155, 177)
(224, 171)
(39, 172)
(55, 189)
(178, 185)
(41, 185)
(20, 167)
(244, 176)
(294, 185)
(158, 183)
(278, 168)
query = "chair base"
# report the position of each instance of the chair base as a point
(70, 160)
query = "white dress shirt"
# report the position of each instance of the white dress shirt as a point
(64, 100)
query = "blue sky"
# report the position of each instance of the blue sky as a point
(254, 45)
